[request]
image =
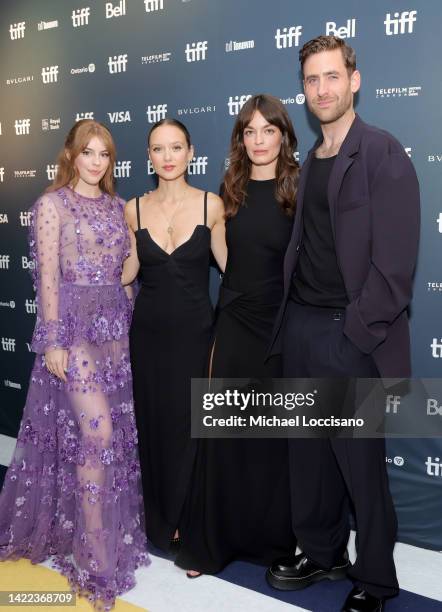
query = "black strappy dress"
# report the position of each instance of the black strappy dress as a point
(169, 342)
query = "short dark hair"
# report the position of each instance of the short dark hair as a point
(329, 43)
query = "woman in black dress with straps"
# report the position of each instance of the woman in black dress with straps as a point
(239, 504)
(172, 230)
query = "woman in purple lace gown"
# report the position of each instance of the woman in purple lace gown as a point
(73, 490)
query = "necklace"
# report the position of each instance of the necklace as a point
(170, 229)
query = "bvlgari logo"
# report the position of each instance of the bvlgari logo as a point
(19, 80)
(196, 110)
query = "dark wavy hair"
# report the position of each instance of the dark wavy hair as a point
(287, 168)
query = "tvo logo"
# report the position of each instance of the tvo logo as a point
(288, 37)
(196, 51)
(156, 112)
(235, 103)
(400, 23)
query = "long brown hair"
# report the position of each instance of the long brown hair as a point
(287, 168)
(76, 141)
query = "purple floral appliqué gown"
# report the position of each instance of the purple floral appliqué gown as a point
(73, 488)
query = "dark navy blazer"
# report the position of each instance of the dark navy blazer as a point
(373, 194)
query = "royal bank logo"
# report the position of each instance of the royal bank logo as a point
(399, 92)
(84, 69)
(49, 74)
(115, 10)
(434, 466)
(51, 171)
(346, 31)
(50, 124)
(197, 165)
(47, 25)
(117, 63)
(156, 58)
(400, 23)
(25, 174)
(122, 169)
(30, 307)
(436, 348)
(439, 223)
(196, 110)
(10, 304)
(8, 344)
(156, 112)
(87, 115)
(27, 264)
(288, 37)
(80, 17)
(196, 51)
(4, 262)
(234, 45)
(25, 218)
(20, 80)
(3, 218)
(17, 30)
(153, 5)
(434, 286)
(2, 174)
(235, 103)
(22, 127)
(119, 117)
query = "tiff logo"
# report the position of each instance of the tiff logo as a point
(236, 103)
(156, 112)
(117, 63)
(288, 36)
(17, 30)
(122, 169)
(196, 52)
(2, 174)
(4, 262)
(117, 11)
(25, 218)
(22, 126)
(392, 404)
(30, 306)
(80, 17)
(347, 31)
(400, 23)
(436, 348)
(153, 5)
(434, 467)
(197, 165)
(439, 223)
(80, 116)
(49, 74)
(8, 344)
(51, 171)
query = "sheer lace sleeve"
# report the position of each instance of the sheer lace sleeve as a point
(50, 330)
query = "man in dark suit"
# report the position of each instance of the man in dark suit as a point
(348, 282)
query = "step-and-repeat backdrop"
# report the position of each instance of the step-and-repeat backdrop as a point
(130, 63)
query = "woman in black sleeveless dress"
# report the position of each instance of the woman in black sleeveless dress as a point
(239, 505)
(173, 230)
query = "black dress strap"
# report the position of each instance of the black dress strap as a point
(137, 204)
(205, 208)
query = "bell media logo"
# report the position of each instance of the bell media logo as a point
(117, 63)
(156, 112)
(119, 117)
(153, 5)
(80, 17)
(49, 74)
(17, 30)
(4, 262)
(235, 103)
(122, 169)
(115, 11)
(288, 37)
(400, 23)
(196, 51)
(197, 165)
(347, 31)
(22, 127)
(51, 171)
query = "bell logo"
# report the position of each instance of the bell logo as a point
(117, 63)
(8, 344)
(27, 264)
(116, 11)
(400, 23)
(122, 169)
(17, 30)
(196, 52)
(80, 17)
(434, 467)
(119, 117)
(347, 31)
(150, 169)
(80, 116)
(22, 126)
(235, 103)
(49, 74)
(25, 218)
(30, 306)
(153, 5)
(4, 262)
(51, 171)
(287, 37)
(156, 112)
(433, 407)
(198, 165)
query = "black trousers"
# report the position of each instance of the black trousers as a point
(329, 475)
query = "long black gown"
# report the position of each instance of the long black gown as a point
(239, 503)
(169, 342)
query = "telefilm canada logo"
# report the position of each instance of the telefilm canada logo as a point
(156, 58)
(25, 174)
(398, 92)
(10, 304)
(12, 385)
